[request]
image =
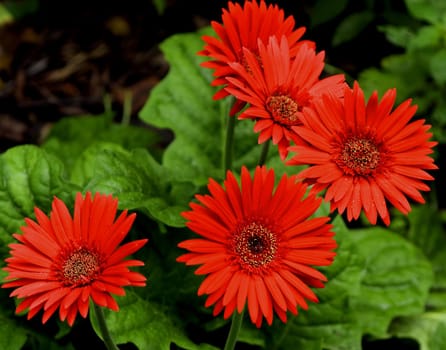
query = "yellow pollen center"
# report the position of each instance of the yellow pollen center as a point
(283, 109)
(255, 244)
(359, 156)
(80, 267)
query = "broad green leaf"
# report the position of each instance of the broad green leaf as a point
(404, 64)
(70, 136)
(438, 67)
(85, 164)
(183, 103)
(429, 329)
(377, 276)
(139, 182)
(395, 282)
(326, 10)
(426, 37)
(29, 177)
(397, 35)
(403, 72)
(12, 336)
(331, 323)
(373, 79)
(432, 11)
(431, 240)
(145, 324)
(351, 26)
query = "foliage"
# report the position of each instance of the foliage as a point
(419, 72)
(384, 283)
(11, 10)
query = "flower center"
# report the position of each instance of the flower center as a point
(80, 267)
(283, 109)
(255, 244)
(359, 156)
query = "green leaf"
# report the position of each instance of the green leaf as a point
(138, 180)
(351, 26)
(183, 103)
(12, 336)
(426, 37)
(438, 67)
(331, 323)
(399, 36)
(145, 324)
(376, 277)
(29, 177)
(11, 10)
(439, 120)
(70, 136)
(403, 72)
(160, 6)
(429, 329)
(326, 10)
(85, 164)
(395, 281)
(432, 241)
(432, 11)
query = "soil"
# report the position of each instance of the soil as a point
(65, 57)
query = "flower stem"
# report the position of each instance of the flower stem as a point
(237, 320)
(264, 153)
(106, 336)
(227, 151)
(127, 108)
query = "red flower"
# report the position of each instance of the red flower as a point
(278, 88)
(258, 245)
(364, 153)
(61, 262)
(244, 27)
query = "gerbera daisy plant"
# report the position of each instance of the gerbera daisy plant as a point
(284, 208)
(258, 245)
(242, 28)
(365, 154)
(278, 87)
(62, 262)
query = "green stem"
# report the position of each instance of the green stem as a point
(229, 140)
(282, 336)
(127, 108)
(108, 109)
(237, 320)
(106, 336)
(264, 153)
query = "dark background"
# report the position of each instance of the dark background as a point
(64, 57)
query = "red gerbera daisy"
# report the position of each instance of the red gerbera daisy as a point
(280, 87)
(258, 245)
(62, 261)
(364, 153)
(243, 27)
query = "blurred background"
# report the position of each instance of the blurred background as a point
(61, 58)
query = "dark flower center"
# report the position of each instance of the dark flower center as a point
(80, 267)
(283, 109)
(255, 244)
(359, 156)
